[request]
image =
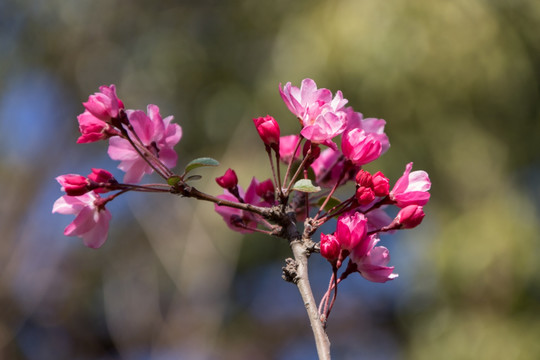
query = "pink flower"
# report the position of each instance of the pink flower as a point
(237, 219)
(322, 118)
(156, 134)
(371, 260)
(268, 130)
(92, 219)
(73, 184)
(328, 168)
(266, 191)
(93, 129)
(330, 247)
(410, 216)
(351, 230)
(360, 147)
(372, 126)
(287, 145)
(104, 105)
(229, 180)
(411, 188)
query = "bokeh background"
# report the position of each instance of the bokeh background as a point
(458, 83)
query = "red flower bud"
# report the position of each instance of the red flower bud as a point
(410, 216)
(100, 176)
(228, 180)
(363, 178)
(268, 130)
(330, 248)
(364, 195)
(73, 185)
(381, 184)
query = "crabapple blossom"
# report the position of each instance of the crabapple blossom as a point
(381, 184)
(104, 105)
(93, 129)
(360, 147)
(410, 216)
(351, 230)
(372, 126)
(371, 260)
(91, 221)
(73, 184)
(329, 167)
(330, 247)
(364, 195)
(157, 135)
(229, 180)
(322, 118)
(241, 220)
(287, 146)
(411, 188)
(268, 130)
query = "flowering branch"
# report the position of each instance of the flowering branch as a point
(144, 142)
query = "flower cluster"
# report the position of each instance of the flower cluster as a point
(142, 142)
(326, 121)
(332, 145)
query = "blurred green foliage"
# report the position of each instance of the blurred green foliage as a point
(458, 83)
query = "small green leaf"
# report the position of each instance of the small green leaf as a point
(332, 202)
(305, 185)
(194, 177)
(173, 180)
(204, 161)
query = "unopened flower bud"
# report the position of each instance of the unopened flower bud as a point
(364, 195)
(268, 130)
(330, 248)
(410, 216)
(381, 184)
(73, 184)
(228, 180)
(363, 178)
(100, 176)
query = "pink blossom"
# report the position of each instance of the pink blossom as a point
(228, 180)
(268, 130)
(104, 105)
(360, 147)
(410, 216)
(93, 129)
(73, 184)
(92, 219)
(322, 118)
(377, 219)
(156, 134)
(330, 247)
(287, 145)
(371, 260)
(372, 126)
(411, 188)
(329, 166)
(351, 230)
(238, 219)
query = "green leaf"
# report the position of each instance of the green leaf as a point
(194, 177)
(204, 161)
(173, 180)
(305, 185)
(332, 202)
